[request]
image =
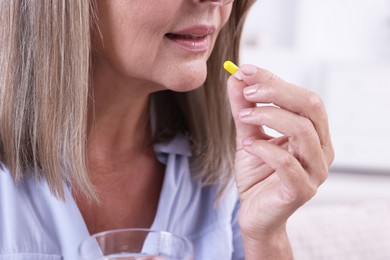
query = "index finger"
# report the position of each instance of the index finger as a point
(266, 87)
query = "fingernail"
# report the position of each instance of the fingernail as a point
(245, 112)
(250, 90)
(237, 75)
(248, 69)
(248, 141)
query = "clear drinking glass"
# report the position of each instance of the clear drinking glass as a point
(136, 244)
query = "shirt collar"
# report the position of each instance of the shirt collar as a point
(179, 145)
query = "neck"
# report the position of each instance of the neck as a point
(119, 155)
(118, 123)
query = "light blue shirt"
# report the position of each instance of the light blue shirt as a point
(36, 225)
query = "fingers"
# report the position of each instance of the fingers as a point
(264, 87)
(238, 103)
(303, 140)
(252, 170)
(300, 115)
(296, 186)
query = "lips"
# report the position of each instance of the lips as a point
(194, 39)
(174, 36)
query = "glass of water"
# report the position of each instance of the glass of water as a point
(136, 244)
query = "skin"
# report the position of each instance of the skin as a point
(132, 59)
(274, 176)
(136, 49)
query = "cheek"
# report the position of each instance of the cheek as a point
(225, 13)
(131, 34)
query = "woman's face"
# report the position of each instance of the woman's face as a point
(163, 44)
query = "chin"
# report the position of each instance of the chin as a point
(186, 80)
(187, 84)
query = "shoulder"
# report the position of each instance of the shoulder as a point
(21, 218)
(33, 222)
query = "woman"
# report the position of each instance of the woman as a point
(115, 114)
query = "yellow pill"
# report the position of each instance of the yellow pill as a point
(232, 69)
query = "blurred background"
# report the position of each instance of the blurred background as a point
(341, 50)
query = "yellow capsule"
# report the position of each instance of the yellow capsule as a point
(232, 69)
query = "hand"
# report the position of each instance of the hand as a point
(275, 176)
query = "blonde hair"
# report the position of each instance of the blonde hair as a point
(45, 64)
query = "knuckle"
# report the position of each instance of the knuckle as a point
(316, 105)
(268, 93)
(311, 191)
(261, 115)
(306, 126)
(315, 102)
(324, 176)
(271, 77)
(286, 161)
(320, 176)
(331, 155)
(267, 76)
